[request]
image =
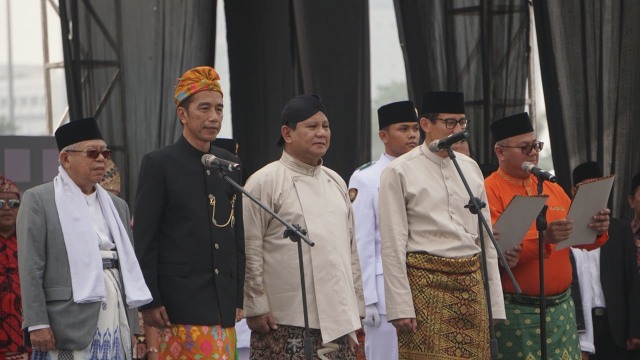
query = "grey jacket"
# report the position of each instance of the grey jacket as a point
(45, 278)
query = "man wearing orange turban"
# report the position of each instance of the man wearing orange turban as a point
(189, 231)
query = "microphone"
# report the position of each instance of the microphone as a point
(437, 145)
(210, 160)
(541, 174)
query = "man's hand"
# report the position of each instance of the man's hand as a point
(513, 255)
(496, 234)
(262, 323)
(156, 317)
(140, 349)
(239, 314)
(372, 316)
(600, 221)
(42, 340)
(633, 344)
(406, 324)
(558, 230)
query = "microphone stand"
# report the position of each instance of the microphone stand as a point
(296, 234)
(541, 226)
(475, 206)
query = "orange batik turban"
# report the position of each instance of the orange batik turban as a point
(198, 79)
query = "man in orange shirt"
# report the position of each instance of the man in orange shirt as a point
(519, 336)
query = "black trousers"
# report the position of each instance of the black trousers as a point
(606, 348)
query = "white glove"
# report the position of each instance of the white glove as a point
(372, 316)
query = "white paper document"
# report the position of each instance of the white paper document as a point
(517, 218)
(590, 198)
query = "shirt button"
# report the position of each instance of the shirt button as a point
(216, 246)
(208, 172)
(215, 271)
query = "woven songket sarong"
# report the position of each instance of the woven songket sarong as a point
(450, 305)
(182, 342)
(519, 336)
(287, 343)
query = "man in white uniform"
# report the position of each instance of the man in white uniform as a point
(302, 191)
(399, 131)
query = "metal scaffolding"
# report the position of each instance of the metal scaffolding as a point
(92, 51)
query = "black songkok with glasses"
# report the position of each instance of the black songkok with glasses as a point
(511, 126)
(77, 131)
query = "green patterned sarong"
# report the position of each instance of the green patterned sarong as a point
(519, 336)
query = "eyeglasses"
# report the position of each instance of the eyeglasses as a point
(13, 203)
(93, 153)
(451, 123)
(526, 149)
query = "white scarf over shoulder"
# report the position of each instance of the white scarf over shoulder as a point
(85, 263)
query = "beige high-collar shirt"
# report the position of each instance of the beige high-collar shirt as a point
(315, 198)
(421, 208)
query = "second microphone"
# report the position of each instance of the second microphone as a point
(441, 144)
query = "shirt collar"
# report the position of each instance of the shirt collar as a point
(514, 180)
(11, 236)
(529, 184)
(91, 198)
(298, 166)
(435, 158)
(184, 144)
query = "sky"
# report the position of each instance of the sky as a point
(27, 42)
(26, 31)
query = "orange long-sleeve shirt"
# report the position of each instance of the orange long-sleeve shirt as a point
(501, 188)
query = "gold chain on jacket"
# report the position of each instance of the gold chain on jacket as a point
(232, 216)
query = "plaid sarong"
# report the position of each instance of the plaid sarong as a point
(451, 311)
(519, 336)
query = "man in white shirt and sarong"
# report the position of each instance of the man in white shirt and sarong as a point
(431, 245)
(301, 191)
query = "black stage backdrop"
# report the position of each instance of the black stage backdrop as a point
(125, 56)
(279, 49)
(480, 48)
(589, 53)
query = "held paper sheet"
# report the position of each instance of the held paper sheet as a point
(591, 197)
(517, 218)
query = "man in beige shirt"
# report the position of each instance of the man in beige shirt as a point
(301, 191)
(431, 245)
